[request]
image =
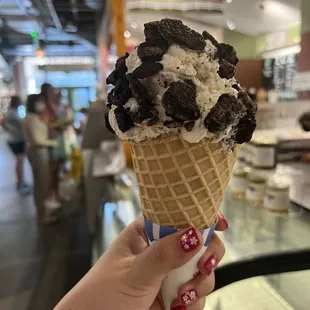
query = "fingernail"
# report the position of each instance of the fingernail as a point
(178, 308)
(188, 297)
(211, 264)
(224, 219)
(189, 241)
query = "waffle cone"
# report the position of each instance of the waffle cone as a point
(181, 183)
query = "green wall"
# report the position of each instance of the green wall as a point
(245, 45)
(249, 47)
(305, 16)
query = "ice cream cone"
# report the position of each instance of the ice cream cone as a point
(181, 183)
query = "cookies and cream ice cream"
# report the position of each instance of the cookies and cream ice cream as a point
(179, 82)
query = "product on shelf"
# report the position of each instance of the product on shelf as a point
(238, 182)
(178, 104)
(255, 191)
(277, 195)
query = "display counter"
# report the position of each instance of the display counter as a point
(253, 232)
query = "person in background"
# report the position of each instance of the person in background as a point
(57, 122)
(38, 144)
(16, 142)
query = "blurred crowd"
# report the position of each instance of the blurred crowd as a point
(47, 137)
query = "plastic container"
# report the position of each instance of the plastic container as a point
(263, 153)
(277, 195)
(238, 182)
(255, 191)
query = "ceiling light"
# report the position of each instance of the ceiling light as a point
(133, 25)
(127, 34)
(231, 25)
(27, 3)
(229, 1)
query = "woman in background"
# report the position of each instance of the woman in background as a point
(52, 115)
(16, 142)
(38, 144)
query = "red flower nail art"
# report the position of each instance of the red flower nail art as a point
(211, 264)
(188, 297)
(189, 241)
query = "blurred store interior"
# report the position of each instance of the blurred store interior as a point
(72, 45)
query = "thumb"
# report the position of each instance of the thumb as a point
(165, 255)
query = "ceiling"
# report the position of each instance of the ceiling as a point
(246, 16)
(66, 27)
(250, 17)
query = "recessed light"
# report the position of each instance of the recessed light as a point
(229, 1)
(133, 25)
(127, 34)
(231, 25)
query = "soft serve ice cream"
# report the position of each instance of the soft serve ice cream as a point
(179, 82)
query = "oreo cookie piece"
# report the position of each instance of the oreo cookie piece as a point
(151, 31)
(226, 70)
(207, 36)
(174, 31)
(250, 105)
(152, 51)
(144, 113)
(120, 66)
(152, 121)
(179, 101)
(237, 87)
(245, 129)
(112, 78)
(112, 100)
(227, 52)
(107, 123)
(224, 113)
(123, 119)
(172, 124)
(189, 126)
(139, 92)
(147, 69)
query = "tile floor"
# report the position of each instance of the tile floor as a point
(38, 265)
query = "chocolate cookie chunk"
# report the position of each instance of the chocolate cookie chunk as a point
(245, 129)
(152, 51)
(120, 66)
(112, 78)
(123, 119)
(107, 123)
(151, 31)
(224, 113)
(144, 113)
(226, 70)
(139, 92)
(174, 31)
(189, 126)
(172, 124)
(152, 121)
(227, 52)
(207, 36)
(179, 101)
(120, 94)
(250, 105)
(237, 87)
(147, 69)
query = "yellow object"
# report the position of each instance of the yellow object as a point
(76, 165)
(181, 184)
(119, 26)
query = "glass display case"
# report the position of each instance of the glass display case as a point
(257, 241)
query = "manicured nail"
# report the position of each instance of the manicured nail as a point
(178, 308)
(189, 241)
(224, 219)
(188, 297)
(211, 264)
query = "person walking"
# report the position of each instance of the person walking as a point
(16, 142)
(38, 145)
